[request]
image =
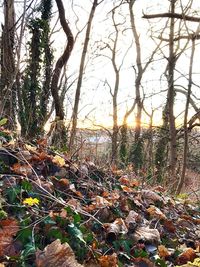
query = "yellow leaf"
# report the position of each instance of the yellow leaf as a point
(59, 161)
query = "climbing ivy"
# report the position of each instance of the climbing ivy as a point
(35, 89)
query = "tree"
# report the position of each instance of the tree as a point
(35, 89)
(59, 130)
(168, 113)
(7, 79)
(136, 150)
(81, 73)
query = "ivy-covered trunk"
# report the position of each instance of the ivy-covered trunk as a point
(35, 90)
(7, 65)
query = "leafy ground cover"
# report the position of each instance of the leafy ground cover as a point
(58, 212)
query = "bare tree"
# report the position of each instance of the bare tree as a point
(174, 55)
(185, 148)
(59, 127)
(81, 73)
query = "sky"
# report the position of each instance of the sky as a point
(96, 103)
(95, 97)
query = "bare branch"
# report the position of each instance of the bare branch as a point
(170, 15)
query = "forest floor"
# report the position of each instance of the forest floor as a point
(56, 212)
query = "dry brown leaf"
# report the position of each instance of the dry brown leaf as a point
(134, 183)
(74, 203)
(114, 195)
(60, 184)
(143, 262)
(124, 204)
(159, 189)
(101, 202)
(188, 255)
(132, 217)
(149, 235)
(115, 228)
(24, 154)
(105, 194)
(163, 252)
(151, 197)
(56, 255)
(156, 212)
(21, 169)
(108, 260)
(169, 225)
(126, 189)
(124, 180)
(42, 142)
(8, 229)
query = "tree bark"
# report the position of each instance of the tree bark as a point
(61, 61)
(115, 129)
(7, 87)
(139, 73)
(171, 96)
(185, 149)
(80, 77)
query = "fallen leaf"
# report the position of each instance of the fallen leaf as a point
(108, 260)
(114, 229)
(124, 180)
(134, 183)
(132, 217)
(151, 197)
(156, 212)
(58, 160)
(21, 169)
(151, 236)
(126, 189)
(101, 202)
(188, 255)
(169, 225)
(56, 255)
(8, 229)
(42, 142)
(163, 252)
(143, 262)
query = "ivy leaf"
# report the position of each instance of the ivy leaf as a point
(55, 232)
(29, 250)
(74, 231)
(77, 218)
(26, 185)
(48, 220)
(12, 193)
(3, 121)
(24, 235)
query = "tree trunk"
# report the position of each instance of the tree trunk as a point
(115, 116)
(171, 96)
(7, 87)
(80, 77)
(185, 149)
(59, 134)
(139, 73)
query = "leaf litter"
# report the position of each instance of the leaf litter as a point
(54, 214)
